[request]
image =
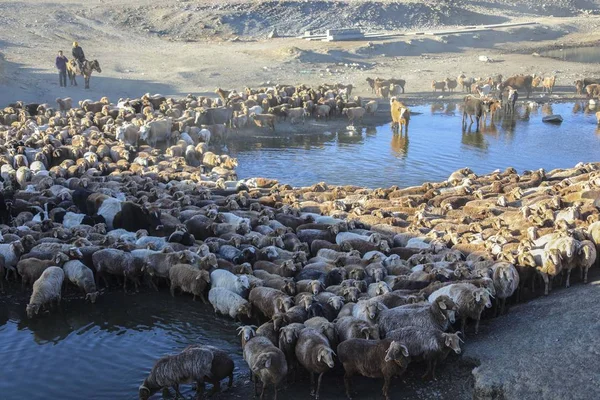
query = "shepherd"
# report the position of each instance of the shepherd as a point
(78, 55)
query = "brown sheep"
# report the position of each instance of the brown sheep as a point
(548, 84)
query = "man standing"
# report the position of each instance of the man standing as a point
(61, 65)
(78, 55)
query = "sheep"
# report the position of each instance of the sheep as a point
(314, 353)
(189, 280)
(469, 299)
(117, 262)
(191, 365)
(286, 285)
(548, 84)
(159, 264)
(354, 113)
(451, 84)
(586, 258)
(270, 301)
(567, 246)
(82, 277)
(222, 366)
(31, 269)
(64, 104)
(548, 263)
(354, 328)
(312, 286)
(266, 363)
(368, 310)
(374, 359)
(264, 120)
(11, 253)
(438, 86)
(234, 283)
(46, 289)
(371, 107)
(228, 303)
(506, 282)
(430, 345)
(437, 315)
(288, 337)
(286, 269)
(325, 327)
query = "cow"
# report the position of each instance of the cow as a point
(214, 116)
(157, 131)
(400, 116)
(472, 107)
(134, 217)
(519, 82)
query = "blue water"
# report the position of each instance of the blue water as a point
(575, 54)
(434, 147)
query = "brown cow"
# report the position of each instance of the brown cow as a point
(472, 107)
(519, 82)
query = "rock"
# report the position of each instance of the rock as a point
(535, 54)
(235, 39)
(484, 59)
(273, 34)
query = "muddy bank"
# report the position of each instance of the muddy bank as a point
(546, 349)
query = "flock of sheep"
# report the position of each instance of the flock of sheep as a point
(364, 280)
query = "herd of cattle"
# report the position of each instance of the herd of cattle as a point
(335, 277)
(486, 96)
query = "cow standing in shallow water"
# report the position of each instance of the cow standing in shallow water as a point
(472, 107)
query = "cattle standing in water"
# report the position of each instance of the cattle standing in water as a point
(472, 107)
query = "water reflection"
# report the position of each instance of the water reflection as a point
(436, 147)
(437, 107)
(399, 144)
(547, 109)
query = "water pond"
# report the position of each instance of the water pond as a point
(575, 54)
(435, 146)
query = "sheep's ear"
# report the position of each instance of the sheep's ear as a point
(404, 350)
(319, 357)
(379, 307)
(268, 363)
(442, 305)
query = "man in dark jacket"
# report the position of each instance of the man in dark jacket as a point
(78, 55)
(61, 65)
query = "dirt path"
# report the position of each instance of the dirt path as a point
(546, 349)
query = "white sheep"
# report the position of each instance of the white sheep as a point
(46, 290)
(82, 277)
(221, 278)
(506, 282)
(109, 208)
(228, 303)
